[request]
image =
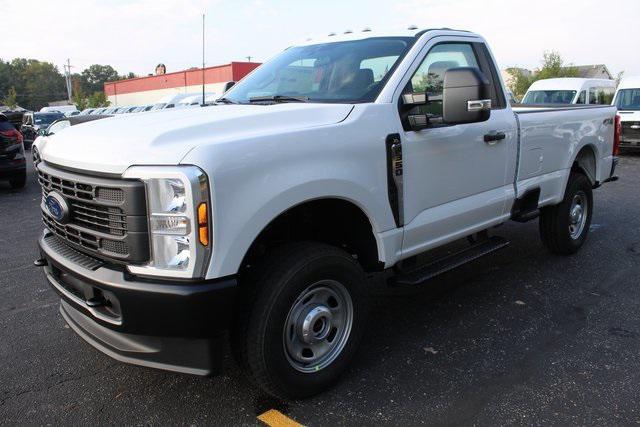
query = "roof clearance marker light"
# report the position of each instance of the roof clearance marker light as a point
(203, 224)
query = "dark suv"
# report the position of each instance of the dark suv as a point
(13, 165)
(33, 122)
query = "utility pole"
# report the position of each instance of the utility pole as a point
(67, 72)
(248, 58)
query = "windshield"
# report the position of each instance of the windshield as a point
(628, 99)
(346, 72)
(46, 119)
(549, 97)
(58, 126)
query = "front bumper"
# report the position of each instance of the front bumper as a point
(177, 326)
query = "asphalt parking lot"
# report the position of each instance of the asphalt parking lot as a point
(520, 336)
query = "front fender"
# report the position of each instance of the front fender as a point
(231, 247)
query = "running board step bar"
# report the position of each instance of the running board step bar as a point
(449, 262)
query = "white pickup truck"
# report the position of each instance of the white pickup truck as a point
(261, 217)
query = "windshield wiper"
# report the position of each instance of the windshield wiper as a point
(279, 98)
(224, 100)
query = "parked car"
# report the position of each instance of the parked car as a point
(570, 90)
(170, 101)
(627, 101)
(337, 159)
(59, 109)
(13, 166)
(66, 122)
(33, 122)
(195, 100)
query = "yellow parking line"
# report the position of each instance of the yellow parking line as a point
(275, 418)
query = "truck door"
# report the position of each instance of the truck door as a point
(455, 183)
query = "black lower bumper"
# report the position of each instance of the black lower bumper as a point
(174, 326)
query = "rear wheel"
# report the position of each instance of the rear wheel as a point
(302, 320)
(18, 179)
(564, 227)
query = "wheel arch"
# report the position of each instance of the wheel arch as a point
(586, 163)
(333, 220)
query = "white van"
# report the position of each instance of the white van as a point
(628, 102)
(570, 90)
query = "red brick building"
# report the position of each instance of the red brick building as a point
(151, 89)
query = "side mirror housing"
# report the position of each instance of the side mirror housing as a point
(466, 96)
(228, 85)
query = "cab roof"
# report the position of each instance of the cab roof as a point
(366, 33)
(632, 82)
(569, 83)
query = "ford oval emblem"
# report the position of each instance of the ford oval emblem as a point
(58, 207)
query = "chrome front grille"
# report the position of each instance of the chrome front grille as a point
(107, 217)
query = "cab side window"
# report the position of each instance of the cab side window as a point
(601, 95)
(582, 98)
(429, 77)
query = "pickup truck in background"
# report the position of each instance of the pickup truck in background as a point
(260, 217)
(627, 101)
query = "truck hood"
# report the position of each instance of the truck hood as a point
(164, 137)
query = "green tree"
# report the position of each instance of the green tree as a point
(93, 78)
(11, 99)
(98, 99)
(553, 66)
(79, 96)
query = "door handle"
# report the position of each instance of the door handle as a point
(494, 137)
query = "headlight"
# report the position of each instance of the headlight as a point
(179, 226)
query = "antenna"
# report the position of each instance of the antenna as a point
(202, 103)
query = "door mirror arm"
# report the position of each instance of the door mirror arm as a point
(411, 117)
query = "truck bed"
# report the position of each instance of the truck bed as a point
(551, 137)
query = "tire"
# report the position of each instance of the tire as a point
(561, 232)
(299, 281)
(18, 179)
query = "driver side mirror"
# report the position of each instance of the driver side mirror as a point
(227, 86)
(466, 96)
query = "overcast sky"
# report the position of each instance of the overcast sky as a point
(135, 35)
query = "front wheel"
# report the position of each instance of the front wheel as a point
(302, 320)
(564, 227)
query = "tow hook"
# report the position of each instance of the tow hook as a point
(95, 302)
(40, 262)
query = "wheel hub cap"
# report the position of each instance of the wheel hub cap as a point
(578, 215)
(318, 326)
(314, 324)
